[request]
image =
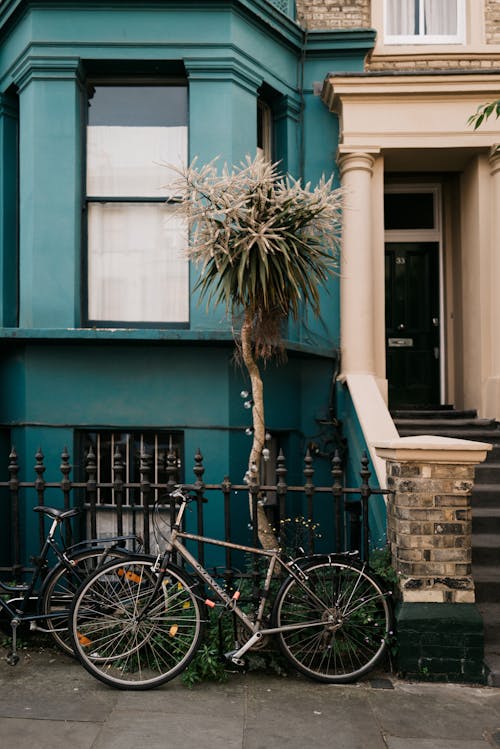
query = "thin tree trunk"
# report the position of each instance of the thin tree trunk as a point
(267, 537)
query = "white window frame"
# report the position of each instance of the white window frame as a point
(147, 195)
(401, 39)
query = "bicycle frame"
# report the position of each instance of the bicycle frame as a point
(28, 589)
(254, 626)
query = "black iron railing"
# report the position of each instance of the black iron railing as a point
(121, 506)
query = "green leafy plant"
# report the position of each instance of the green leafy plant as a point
(381, 564)
(483, 113)
(208, 663)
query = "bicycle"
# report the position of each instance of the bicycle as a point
(52, 598)
(137, 624)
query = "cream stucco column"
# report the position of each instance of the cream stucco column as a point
(493, 384)
(356, 283)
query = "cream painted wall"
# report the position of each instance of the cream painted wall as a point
(475, 290)
(411, 124)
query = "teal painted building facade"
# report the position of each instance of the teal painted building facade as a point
(251, 76)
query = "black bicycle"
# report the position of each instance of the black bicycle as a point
(43, 602)
(137, 623)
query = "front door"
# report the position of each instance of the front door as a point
(412, 322)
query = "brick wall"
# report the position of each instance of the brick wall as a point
(345, 14)
(429, 530)
(492, 21)
(334, 14)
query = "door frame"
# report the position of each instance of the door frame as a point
(426, 235)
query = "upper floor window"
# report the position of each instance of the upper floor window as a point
(424, 21)
(137, 269)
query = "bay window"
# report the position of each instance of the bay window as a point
(137, 268)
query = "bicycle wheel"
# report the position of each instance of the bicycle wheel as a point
(61, 585)
(130, 635)
(338, 618)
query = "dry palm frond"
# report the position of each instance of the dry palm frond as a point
(265, 242)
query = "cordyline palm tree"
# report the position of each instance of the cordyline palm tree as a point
(265, 244)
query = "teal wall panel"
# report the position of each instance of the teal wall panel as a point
(56, 379)
(50, 201)
(352, 432)
(9, 118)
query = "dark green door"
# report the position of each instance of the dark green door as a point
(412, 322)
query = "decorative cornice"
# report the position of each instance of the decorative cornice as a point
(264, 12)
(420, 84)
(287, 108)
(222, 69)
(30, 68)
(339, 42)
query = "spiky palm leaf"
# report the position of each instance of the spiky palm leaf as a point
(266, 243)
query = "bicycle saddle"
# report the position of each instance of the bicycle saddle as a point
(53, 512)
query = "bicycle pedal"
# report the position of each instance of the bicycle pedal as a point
(12, 659)
(239, 662)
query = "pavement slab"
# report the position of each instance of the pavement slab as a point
(50, 702)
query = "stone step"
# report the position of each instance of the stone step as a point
(430, 426)
(485, 495)
(487, 583)
(445, 414)
(486, 549)
(485, 520)
(488, 472)
(492, 436)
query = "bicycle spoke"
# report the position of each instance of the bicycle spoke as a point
(129, 639)
(353, 621)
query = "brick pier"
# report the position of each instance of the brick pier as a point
(439, 629)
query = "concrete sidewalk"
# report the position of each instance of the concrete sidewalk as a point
(48, 701)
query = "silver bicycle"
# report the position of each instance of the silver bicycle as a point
(138, 623)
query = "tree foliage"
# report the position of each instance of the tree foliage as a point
(265, 243)
(483, 113)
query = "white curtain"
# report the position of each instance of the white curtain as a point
(421, 17)
(131, 160)
(440, 17)
(138, 270)
(400, 17)
(137, 264)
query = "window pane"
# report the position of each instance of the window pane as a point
(421, 18)
(413, 210)
(130, 161)
(137, 265)
(139, 106)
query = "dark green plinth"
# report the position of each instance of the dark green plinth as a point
(440, 642)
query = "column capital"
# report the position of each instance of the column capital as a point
(32, 67)
(494, 158)
(356, 159)
(223, 70)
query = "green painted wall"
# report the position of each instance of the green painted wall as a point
(56, 377)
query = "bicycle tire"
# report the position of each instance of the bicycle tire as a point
(62, 583)
(123, 638)
(353, 621)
